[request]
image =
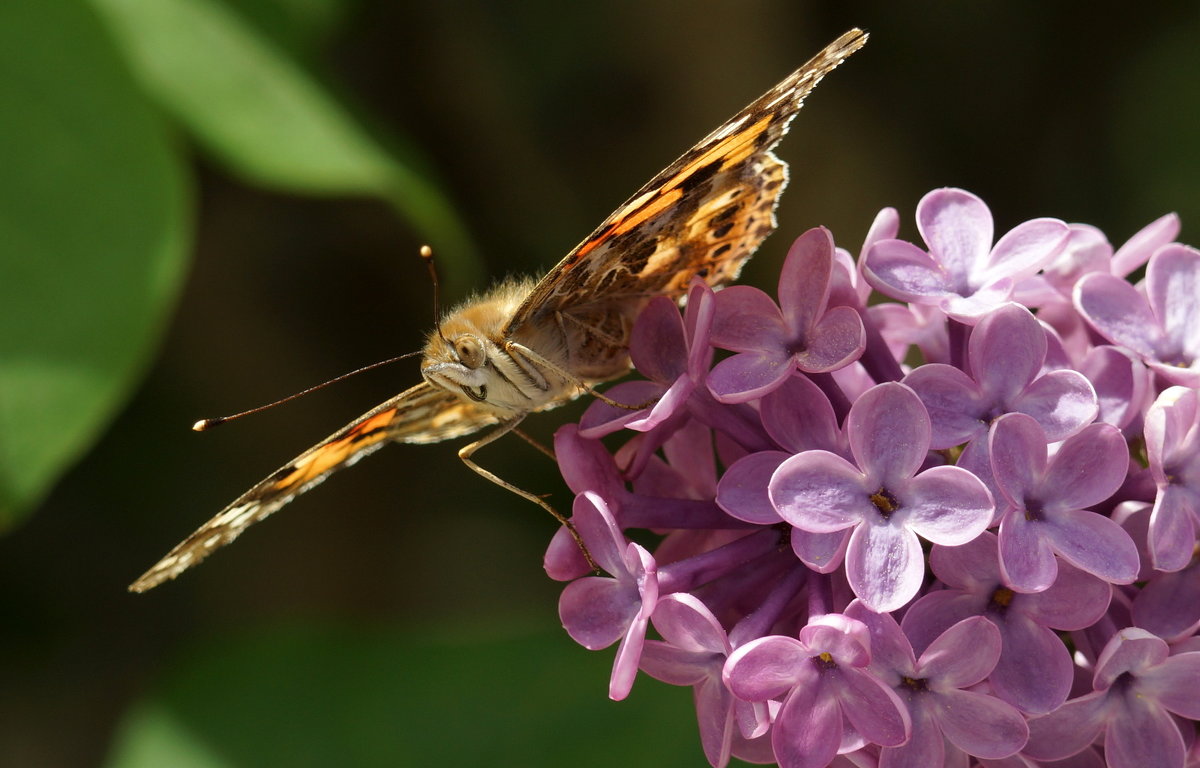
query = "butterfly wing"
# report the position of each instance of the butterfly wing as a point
(423, 414)
(704, 215)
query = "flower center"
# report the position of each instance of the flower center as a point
(824, 662)
(885, 502)
(1034, 510)
(796, 346)
(916, 685)
(1001, 599)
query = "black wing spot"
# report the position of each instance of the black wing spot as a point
(699, 177)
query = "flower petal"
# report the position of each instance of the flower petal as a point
(884, 565)
(1006, 351)
(746, 320)
(1119, 313)
(954, 402)
(819, 492)
(1024, 250)
(657, 345)
(767, 668)
(804, 278)
(686, 623)
(1143, 734)
(837, 340)
(749, 375)
(808, 729)
(889, 433)
(947, 505)
(904, 272)
(1095, 544)
(1173, 290)
(1068, 730)
(799, 417)
(957, 227)
(1026, 558)
(1017, 446)
(961, 656)
(981, 725)
(1063, 402)
(1172, 529)
(742, 490)
(874, 710)
(1137, 249)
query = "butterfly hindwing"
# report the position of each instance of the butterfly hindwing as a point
(422, 414)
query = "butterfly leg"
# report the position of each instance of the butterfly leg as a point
(467, 451)
(522, 352)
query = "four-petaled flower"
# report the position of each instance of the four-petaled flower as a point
(831, 701)
(936, 690)
(1045, 502)
(1161, 322)
(773, 341)
(961, 274)
(1138, 686)
(883, 496)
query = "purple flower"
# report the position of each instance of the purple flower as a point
(693, 652)
(1138, 686)
(587, 466)
(962, 274)
(598, 611)
(1162, 326)
(1006, 351)
(799, 417)
(935, 689)
(1044, 503)
(772, 341)
(1173, 447)
(1122, 384)
(1034, 671)
(812, 434)
(882, 497)
(825, 684)
(671, 352)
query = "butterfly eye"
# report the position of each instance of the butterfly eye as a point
(470, 351)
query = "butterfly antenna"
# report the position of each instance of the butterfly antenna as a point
(427, 257)
(205, 424)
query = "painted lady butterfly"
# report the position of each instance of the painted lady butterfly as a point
(528, 346)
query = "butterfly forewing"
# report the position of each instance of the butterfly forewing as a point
(423, 414)
(705, 214)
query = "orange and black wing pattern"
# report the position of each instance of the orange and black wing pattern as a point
(422, 414)
(704, 215)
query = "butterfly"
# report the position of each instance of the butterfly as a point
(528, 346)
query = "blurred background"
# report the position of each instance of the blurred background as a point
(209, 204)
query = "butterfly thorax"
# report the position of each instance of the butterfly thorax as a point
(469, 356)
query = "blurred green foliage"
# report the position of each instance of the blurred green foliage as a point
(306, 696)
(94, 230)
(95, 215)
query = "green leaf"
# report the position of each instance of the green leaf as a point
(262, 116)
(321, 697)
(92, 240)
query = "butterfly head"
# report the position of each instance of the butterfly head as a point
(458, 362)
(465, 355)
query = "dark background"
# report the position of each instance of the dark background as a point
(538, 118)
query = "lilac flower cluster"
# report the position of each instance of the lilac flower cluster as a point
(957, 528)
